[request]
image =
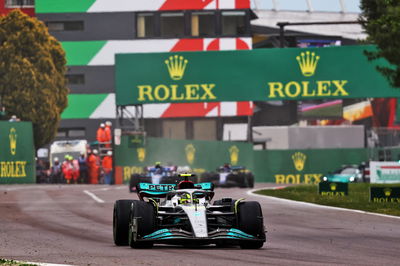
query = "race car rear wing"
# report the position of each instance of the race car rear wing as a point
(161, 190)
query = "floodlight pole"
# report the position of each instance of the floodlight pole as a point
(282, 26)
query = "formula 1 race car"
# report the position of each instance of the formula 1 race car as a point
(230, 176)
(184, 215)
(156, 174)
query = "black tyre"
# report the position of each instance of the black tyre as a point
(145, 219)
(250, 180)
(250, 221)
(121, 221)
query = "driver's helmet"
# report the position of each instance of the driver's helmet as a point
(157, 165)
(186, 198)
(226, 167)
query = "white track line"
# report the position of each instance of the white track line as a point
(251, 193)
(93, 196)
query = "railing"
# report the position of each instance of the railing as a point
(383, 137)
(20, 3)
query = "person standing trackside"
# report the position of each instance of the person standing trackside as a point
(56, 172)
(83, 169)
(107, 168)
(107, 134)
(93, 167)
(101, 133)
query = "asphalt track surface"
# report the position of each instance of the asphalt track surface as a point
(63, 224)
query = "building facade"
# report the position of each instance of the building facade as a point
(26, 6)
(93, 31)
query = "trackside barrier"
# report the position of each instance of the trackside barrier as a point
(200, 156)
(277, 166)
(17, 156)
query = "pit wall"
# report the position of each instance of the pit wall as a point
(17, 154)
(275, 166)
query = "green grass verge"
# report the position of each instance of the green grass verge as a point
(357, 199)
(4, 262)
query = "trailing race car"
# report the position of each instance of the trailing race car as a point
(230, 176)
(156, 174)
(346, 174)
(184, 215)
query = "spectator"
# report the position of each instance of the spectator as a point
(83, 169)
(56, 172)
(107, 133)
(93, 167)
(107, 168)
(67, 169)
(13, 119)
(75, 169)
(101, 134)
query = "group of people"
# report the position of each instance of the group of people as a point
(91, 169)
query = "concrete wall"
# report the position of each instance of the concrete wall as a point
(310, 137)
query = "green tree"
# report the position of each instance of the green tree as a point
(381, 21)
(32, 74)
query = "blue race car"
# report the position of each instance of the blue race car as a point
(184, 215)
(156, 174)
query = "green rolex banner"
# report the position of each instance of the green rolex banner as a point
(17, 156)
(251, 75)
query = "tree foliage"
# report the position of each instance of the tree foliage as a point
(32, 74)
(381, 21)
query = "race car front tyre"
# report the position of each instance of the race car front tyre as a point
(121, 221)
(144, 216)
(250, 221)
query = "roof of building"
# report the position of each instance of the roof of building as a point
(270, 18)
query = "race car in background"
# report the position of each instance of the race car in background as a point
(156, 174)
(346, 174)
(229, 176)
(184, 215)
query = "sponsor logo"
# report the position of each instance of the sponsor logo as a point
(161, 187)
(299, 160)
(387, 192)
(308, 63)
(298, 179)
(190, 152)
(13, 169)
(333, 189)
(333, 186)
(141, 153)
(176, 66)
(234, 155)
(13, 141)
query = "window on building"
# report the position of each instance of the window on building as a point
(20, 3)
(65, 25)
(233, 22)
(203, 24)
(75, 79)
(145, 25)
(172, 24)
(71, 132)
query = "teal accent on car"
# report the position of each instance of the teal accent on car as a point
(339, 178)
(237, 231)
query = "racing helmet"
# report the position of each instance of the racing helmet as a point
(185, 198)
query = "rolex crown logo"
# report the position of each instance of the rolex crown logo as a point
(141, 153)
(13, 141)
(190, 153)
(333, 186)
(387, 191)
(299, 160)
(308, 63)
(176, 66)
(234, 155)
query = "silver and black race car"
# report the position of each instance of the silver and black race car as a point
(230, 176)
(184, 215)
